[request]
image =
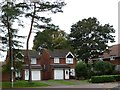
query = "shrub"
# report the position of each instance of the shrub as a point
(81, 70)
(105, 78)
(103, 68)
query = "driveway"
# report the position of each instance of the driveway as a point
(89, 85)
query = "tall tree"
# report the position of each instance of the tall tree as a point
(90, 38)
(10, 12)
(38, 20)
(51, 39)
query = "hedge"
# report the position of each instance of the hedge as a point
(105, 78)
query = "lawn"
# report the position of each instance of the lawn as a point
(18, 84)
(64, 82)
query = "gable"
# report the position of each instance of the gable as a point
(69, 55)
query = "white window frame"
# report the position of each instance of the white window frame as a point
(33, 61)
(112, 58)
(69, 60)
(56, 60)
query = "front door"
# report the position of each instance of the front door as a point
(66, 73)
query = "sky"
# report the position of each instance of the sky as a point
(106, 12)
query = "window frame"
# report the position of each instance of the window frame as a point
(35, 61)
(56, 60)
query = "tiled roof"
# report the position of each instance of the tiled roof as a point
(32, 66)
(58, 53)
(31, 53)
(114, 51)
(60, 66)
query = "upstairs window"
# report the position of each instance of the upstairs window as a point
(56, 60)
(69, 60)
(112, 57)
(33, 61)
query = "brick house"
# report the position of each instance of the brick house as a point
(46, 64)
(36, 68)
(58, 64)
(113, 55)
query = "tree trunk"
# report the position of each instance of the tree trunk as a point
(27, 55)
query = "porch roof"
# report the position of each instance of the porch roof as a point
(32, 66)
(60, 66)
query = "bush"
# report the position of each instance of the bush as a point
(116, 77)
(105, 78)
(103, 68)
(81, 70)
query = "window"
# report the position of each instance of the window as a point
(69, 60)
(112, 58)
(56, 60)
(33, 61)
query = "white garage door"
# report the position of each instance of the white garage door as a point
(58, 74)
(36, 74)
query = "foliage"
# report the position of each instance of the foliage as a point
(51, 39)
(103, 68)
(101, 79)
(81, 70)
(18, 62)
(10, 13)
(89, 38)
(105, 78)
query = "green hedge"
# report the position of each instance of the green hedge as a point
(105, 78)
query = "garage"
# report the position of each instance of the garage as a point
(58, 74)
(36, 74)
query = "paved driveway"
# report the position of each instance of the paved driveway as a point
(100, 85)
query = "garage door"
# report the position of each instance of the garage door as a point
(58, 74)
(36, 74)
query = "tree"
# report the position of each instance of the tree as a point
(10, 11)
(51, 39)
(89, 38)
(39, 21)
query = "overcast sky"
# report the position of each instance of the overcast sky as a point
(106, 11)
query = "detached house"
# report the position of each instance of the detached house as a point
(58, 64)
(113, 55)
(47, 64)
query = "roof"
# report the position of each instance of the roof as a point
(60, 66)
(32, 66)
(114, 51)
(32, 53)
(58, 53)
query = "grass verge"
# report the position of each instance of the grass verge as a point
(19, 84)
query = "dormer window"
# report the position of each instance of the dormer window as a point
(33, 61)
(69, 58)
(56, 60)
